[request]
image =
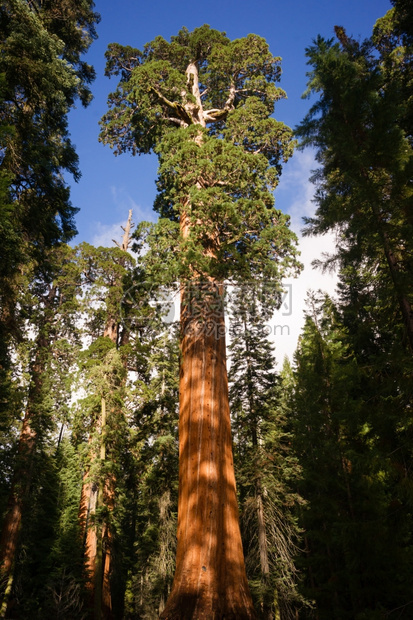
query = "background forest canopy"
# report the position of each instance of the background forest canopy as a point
(90, 367)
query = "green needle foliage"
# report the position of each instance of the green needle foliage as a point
(43, 376)
(204, 103)
(361, 128)
(355, 475)
(155, 509)
(41, 76)
(265, 469)
(353, 395)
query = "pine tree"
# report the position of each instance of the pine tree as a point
(357, 523)
(264, 467)
(360, 394)
(361, 129)
(105, 374)
(156, 427)
(42, 74)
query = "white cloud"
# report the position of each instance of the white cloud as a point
(123, 202)
(106, 233)
(296, 195)
(288, 322)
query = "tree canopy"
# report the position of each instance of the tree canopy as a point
(203, 103)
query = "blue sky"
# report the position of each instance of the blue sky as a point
(111, 185)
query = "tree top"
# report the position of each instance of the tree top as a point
(198, 78)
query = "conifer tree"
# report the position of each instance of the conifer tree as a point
(105, 375)
(156, 427)
(42, 74)
(203, 103)
(360, 394)
(357, 523)
(264, 467)
(361, 128)
(49, 306)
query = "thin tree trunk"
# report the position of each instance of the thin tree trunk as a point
(98, 538)
(20, 489)
(107, 557)
(91, 539)
(263, 549)
(85, 501)
(210, 579)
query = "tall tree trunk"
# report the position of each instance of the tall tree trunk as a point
(107, 537)
(21, 482)
(210, 579)
(98, 537)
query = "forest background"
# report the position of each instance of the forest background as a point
(89, 368)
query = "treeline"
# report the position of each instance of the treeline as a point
(89, 364)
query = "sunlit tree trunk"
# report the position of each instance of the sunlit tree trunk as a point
(210, 579)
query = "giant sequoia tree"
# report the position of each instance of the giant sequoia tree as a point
(203, 103)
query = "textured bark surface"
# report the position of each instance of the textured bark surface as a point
(22, 476)
(97, 538)
(20, 489)
(210, 579)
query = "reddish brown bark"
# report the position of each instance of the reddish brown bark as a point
(97, 545)
(21, 483)
(210, 579)
(98, 537)
(107, 566)
(20, 488)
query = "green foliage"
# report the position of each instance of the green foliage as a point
(266, 471)
(352, 396)
(156, 427)
(360, 128)
(64, 584)
(41, 75)
(357, 525)
(203, 104)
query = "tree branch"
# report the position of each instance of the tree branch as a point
(174, 105)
